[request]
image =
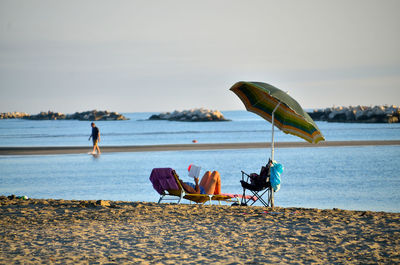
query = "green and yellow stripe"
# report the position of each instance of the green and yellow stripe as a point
(261, 98)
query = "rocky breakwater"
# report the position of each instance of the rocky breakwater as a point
(46, 116)
(95, 115)
(191, 115)
(358, 114)
(92, 115)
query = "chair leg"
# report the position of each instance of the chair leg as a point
(270, 197)
(180, 198)
(259, 198)
(243, 200)
(266, 203)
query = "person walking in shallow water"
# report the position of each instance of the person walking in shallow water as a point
(96, 138)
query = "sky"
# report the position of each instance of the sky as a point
(140, 56)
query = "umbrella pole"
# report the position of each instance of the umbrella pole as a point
(272, 141)
(271, 191)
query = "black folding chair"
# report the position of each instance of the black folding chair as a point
(258, 184)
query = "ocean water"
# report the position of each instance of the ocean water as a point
(357, 178)
(244, 127)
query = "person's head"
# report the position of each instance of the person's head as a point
(92, 124)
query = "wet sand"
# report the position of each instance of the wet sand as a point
(84, 232)
(47, 150)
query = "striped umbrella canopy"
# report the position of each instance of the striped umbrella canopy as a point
(277, 107)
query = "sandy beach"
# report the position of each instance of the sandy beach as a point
(53, 150)
(105, 232)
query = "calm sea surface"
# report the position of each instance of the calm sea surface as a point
(360, 178)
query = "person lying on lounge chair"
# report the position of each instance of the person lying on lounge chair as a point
(210, 184)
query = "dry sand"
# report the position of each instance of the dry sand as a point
(73, 232)
(47, 150)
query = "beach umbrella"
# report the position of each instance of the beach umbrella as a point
(277, 107)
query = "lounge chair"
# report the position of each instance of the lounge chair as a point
(166, 182)
(258, 184)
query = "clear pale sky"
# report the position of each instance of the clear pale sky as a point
(135, 56)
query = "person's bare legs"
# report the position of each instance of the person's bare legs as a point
(217, 189)
(205, 179)
(96, 147)
(211, 182)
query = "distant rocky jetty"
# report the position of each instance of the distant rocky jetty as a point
(190, 115)
(92, 115)
(358, 114)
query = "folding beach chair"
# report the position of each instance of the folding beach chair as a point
(166, 182)
(258, 184)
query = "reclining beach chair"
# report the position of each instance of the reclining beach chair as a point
(166, 182)
(258, 184)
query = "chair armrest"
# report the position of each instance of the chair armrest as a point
(245, 174)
